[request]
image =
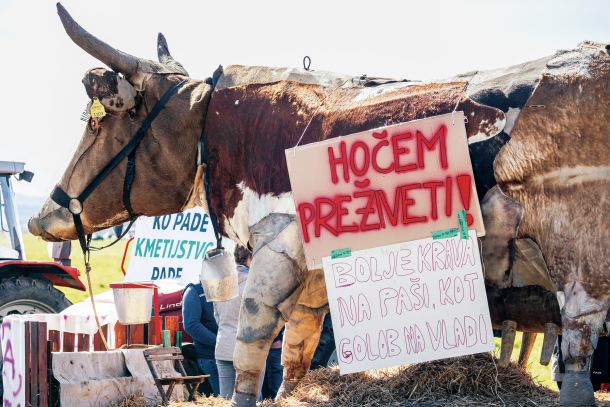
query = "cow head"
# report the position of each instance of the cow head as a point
(166, 157)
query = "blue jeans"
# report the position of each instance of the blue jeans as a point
(208, 366)
(226, 378)
(274, 373)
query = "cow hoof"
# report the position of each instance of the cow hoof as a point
(577, 390)
(286, 388)
(243, 400)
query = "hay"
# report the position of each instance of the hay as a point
(137, 400)
(468, 380)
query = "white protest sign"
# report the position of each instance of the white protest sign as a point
(408, 303)
(171, 247)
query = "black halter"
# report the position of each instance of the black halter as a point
(75, 204)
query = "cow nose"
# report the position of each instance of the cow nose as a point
(34, 226)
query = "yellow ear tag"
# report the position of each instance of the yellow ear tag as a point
(97, 109)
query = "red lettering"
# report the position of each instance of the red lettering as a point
(374, 162)
(439, 139)
(306, 219)
(364, 167)
(334, 161)
(384, 206)
(406, 202)
(448, 191)
(367, 210)
(398, 151)
(341, 211)
(321, 220)
(433, 185)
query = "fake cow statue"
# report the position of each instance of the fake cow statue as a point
(539, 134)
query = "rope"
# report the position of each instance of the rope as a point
(97, 320)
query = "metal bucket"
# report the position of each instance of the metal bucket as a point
(133, 301)
(219, 276)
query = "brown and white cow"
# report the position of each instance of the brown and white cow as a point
(250, 115)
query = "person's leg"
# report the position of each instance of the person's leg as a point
(273, 374)
(226, 377)
(300, 342)
(326, 345)
(272, 289)
(208, 366)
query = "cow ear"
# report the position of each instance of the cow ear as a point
(502, 216)
(112, 90)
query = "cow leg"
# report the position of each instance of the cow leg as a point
(582, 320)
(303, 332)
(271, 293)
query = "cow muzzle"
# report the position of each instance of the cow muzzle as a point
(53, 223)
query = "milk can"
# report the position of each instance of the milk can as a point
(219, 276)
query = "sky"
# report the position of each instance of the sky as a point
(42, 97)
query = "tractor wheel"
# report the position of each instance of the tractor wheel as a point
(26, 295)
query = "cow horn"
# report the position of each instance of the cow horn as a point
(115, 59)
(165, 57)
(118, 60)
(509, 329)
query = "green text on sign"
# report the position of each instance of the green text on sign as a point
(337, 254)
(444, 234)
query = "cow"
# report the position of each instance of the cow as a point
(248, 116)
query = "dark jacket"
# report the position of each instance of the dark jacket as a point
(198, 320)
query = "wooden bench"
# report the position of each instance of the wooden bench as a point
(159, 354)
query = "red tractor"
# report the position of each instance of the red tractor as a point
(27, 286)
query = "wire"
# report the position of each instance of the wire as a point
(314, 114)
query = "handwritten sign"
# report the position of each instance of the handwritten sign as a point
(171, 247)
(383, 186)
(408, 303)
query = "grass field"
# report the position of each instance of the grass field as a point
(106, 264)
(106, 268)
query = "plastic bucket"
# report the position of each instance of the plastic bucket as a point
(133, 301)
(219, 276)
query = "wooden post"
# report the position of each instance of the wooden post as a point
(68, 342)
(84, 342)
(154, 327)
(53, 391)
(55, 340)
(527, 345)
(43, 377)
(120, 335)
(98, 345)
(548, 342)
(508, 342)
(28, 364)
(136, 334)
(171, 324)
(34, 391)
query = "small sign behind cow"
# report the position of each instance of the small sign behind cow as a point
(383, 186)
(171, 247)
(408, 303)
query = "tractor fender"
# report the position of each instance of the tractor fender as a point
(56, 273)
